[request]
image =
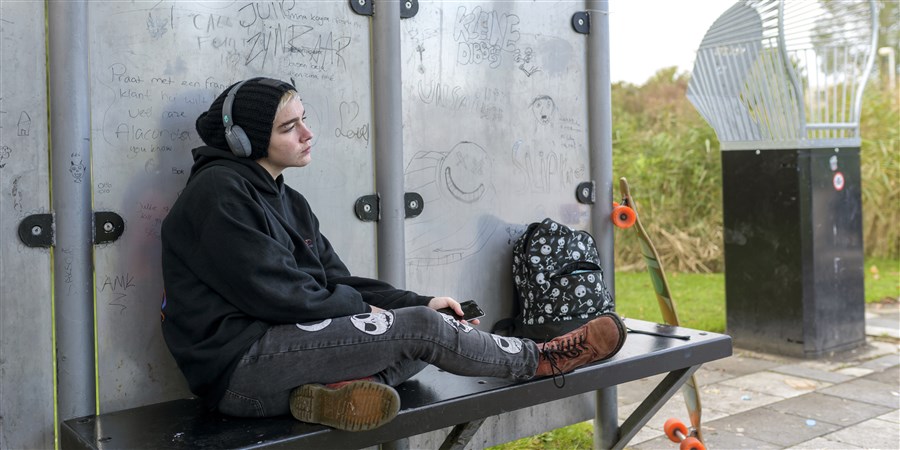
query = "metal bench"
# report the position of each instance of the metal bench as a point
(431, 400)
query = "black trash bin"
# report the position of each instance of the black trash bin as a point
(781, 83)
(793, 250)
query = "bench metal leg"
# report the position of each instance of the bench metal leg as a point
(458, 438)
(461, 434)
(645, 411)
(606, 418)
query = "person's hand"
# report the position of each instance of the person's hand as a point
(376, 310)
(448, 302)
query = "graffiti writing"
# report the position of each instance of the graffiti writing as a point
(482, 35)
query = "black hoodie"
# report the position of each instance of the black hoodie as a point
(242, 252)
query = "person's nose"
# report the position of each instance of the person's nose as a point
(306, 134)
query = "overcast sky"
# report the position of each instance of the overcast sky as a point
(647, 35)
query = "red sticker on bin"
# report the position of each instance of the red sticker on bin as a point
(838, 181)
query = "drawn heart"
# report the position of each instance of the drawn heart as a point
(347, 109)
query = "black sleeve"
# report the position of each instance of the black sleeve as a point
(381, 294)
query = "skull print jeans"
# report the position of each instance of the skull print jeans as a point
(391, 347)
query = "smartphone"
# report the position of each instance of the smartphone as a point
(471, 310)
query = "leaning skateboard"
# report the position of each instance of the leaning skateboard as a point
(624, 215)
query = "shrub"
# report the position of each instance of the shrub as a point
(671, 158)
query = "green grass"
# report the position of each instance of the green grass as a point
(882, 280)
(578, 436)
(699, 298)
(700, 302)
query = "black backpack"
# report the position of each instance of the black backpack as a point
(558, 281)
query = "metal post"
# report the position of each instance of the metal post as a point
(70, 161)
(600, 141)
(386, 99)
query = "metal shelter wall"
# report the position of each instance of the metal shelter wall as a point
(495, 137)
(496, 134)
(155, 67)
(26, 326)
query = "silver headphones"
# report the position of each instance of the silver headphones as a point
(237, 139)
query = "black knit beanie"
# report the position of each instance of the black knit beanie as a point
(253, 110)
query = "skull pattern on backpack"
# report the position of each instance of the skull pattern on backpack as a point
(559, 281)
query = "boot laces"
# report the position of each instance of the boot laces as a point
(569, 348)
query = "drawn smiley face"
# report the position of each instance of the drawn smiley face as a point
(466, 171)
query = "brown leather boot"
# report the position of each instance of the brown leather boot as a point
(357, 405)
(594, 341)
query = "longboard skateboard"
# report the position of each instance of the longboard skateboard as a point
(625, 215)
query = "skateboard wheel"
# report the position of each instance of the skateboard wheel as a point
(623, 216)
(692, 443)
(673, 427)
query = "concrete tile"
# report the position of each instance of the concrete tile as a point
(883, 362)
(823, 364)
(775, 384)
(756, 400)
(865, 391)
(820, 443)
(883, 322)
(871, 350)
(725, 439)
(637, 390)
(707, 375)
(731, 400)
(806, 371)
(772, 357)
(673, 408)
(873, 433)
(854, 372)
(713, 439)
(882, 329)
(649, 434)
(893, 416)
(769, 425)
(625, 410)
(826, 408)
(890, 377)
(741, 364)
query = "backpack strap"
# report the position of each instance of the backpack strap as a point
(504, 327)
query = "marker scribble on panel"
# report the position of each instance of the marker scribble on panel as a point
(458, 190)
(482, 36)
(543, 107)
